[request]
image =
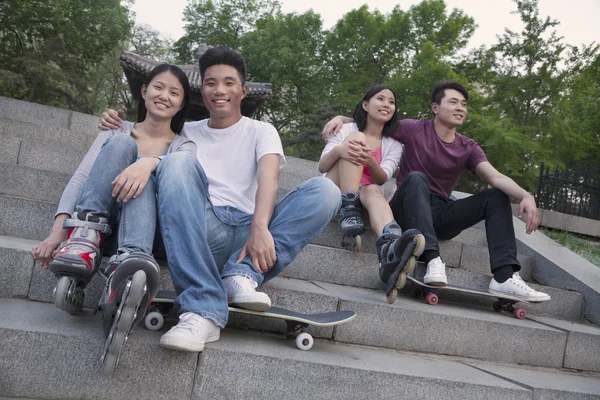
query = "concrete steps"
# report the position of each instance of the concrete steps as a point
(315, 263)
(408, 324)
(457, 349)
(53, 355)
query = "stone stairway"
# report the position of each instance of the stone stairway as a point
(459, 348)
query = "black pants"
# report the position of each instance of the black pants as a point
(437, 217)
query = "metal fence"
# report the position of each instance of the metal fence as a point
(574, 192)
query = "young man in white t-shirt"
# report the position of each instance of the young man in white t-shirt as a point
(223, 233)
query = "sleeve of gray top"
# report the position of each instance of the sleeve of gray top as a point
(75, 185)
(183, 144)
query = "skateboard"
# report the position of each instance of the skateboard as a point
(296, 323)
(504, 303)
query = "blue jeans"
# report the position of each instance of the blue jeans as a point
(203, 242)
(137, 218)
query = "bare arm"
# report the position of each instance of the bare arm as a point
(492, 177)
(377, 173)
(335, 125)
(329, 159)
(260, 245)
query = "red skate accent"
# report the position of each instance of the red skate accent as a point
(89, 258)
(111, 295)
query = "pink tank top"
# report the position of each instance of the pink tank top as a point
(366, 178)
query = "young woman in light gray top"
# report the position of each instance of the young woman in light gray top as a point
(115, 180)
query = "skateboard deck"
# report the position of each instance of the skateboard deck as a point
(504, 303)
(296, 323)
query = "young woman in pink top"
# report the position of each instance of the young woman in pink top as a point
(360, 160)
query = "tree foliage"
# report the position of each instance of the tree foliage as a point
(533, 98)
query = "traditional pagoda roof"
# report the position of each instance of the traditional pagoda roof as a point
(137, 67)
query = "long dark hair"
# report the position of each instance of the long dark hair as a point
(178, 119)
(360, 115)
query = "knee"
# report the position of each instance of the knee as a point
(416, 176)
(178, 168)
(356, 135)
(325, 193)
(121, 143)
(370, 191)
(497, 196)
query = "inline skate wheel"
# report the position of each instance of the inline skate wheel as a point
(391, 298)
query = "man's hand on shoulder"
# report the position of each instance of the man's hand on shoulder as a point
(261, 249)
(111, 119)
(528, 205)
(334, 126)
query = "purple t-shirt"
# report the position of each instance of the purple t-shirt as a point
(442, 162)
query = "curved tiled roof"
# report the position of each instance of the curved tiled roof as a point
(144, 65)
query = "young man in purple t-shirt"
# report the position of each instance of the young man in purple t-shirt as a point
(434, 157)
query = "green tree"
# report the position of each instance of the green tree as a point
(284, 49)
(367, 48)
(533, 69)
(219, 22)
(49, 47)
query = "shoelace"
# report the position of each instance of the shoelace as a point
(520, 282)
(189, 322)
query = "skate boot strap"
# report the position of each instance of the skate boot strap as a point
(93, 246)
(117, 259)
(386, 238)
(97, 226)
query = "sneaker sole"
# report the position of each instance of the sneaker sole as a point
(175, 344)
(436, 283)
(532, 300)
(251, 305)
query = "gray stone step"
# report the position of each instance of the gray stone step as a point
(47, 346)
(412, 325)
(44, 116)
(39, 213)
(465, 321)
(37, 284)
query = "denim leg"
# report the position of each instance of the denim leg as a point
(117, 153)
(297, 218)
(138, 221)
(182, 211)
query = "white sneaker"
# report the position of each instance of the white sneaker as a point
(516, 287)
(191, 333)
(436, 273)
(241, 292)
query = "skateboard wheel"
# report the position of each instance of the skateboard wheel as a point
(304, 341)
(520, 313)
(432, 299)
(391, 298)
(154, 321)
(497, 306)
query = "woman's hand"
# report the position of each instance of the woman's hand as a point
(111, 119)
(130, 183)
(46, 250)
(358, 152)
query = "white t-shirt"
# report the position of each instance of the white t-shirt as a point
(230, 158)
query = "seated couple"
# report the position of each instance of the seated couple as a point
(363, 152)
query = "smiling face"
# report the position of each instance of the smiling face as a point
(452, 110)
(163, 97)
(381, 107)
(223, 91)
